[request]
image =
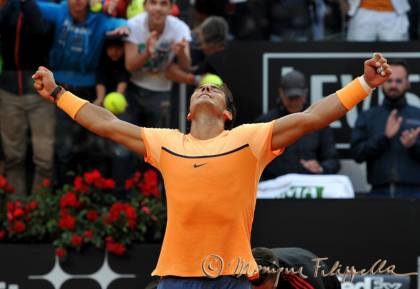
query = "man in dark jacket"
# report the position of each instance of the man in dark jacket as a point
(303, 263)
(314, 153)
(386, 137)
(24, 47)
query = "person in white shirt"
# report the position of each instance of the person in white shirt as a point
(383, 20)
(156, 39)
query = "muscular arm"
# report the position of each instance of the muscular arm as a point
(290, 128)
(103, 123)
(94, 118)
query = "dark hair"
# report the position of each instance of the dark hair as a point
(115, 40)
(266, 259)
(399, 62)
(230, 106)
(214, 30)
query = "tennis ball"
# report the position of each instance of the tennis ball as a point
(115, 102)
(97, 7)
(135, 7)
(210, 78)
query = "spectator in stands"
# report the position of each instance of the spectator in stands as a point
(207, 52)
(155, 41)
(291, 20)
(299, 260)
(314, 153)
(384, 20)
(111, 74)
(386, 137)
(24, 47)
(78, 41)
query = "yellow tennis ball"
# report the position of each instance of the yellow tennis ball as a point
(135, 7)
(210, 78)
(115, 102)
(97, 7)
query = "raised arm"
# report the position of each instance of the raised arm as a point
(94, 118)
(290, 128)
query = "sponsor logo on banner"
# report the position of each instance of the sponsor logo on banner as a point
(3, 285)
(57, 276)
(377, 282)
(327, 72)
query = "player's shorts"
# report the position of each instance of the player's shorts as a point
(222, 282)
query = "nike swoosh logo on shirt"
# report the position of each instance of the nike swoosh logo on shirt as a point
(198, 165)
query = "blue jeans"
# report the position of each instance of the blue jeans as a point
(222, 282)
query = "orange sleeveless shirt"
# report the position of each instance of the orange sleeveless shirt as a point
(211, 190)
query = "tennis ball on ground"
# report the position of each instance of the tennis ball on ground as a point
(97, 7)
(210, 78)
(115, 102)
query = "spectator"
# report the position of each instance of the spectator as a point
(335, 19)
(78, 41)
(156, 39)
(294, 259)
(291, 20)
(384, 20)
(211, 39)
(111, 73)
(24, 48)
(386, 137)
(314, 153)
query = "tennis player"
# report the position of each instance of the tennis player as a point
(211, 174)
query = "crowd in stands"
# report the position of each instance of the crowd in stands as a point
(139, 48)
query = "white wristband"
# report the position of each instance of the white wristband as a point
(365, 85)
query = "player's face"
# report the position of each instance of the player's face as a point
(210, 95)
(158, 10)
(397, 85)
(77, 6)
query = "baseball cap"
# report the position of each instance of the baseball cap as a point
(294, 84)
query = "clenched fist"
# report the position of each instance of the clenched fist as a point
(44, 83)
(376, 70)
